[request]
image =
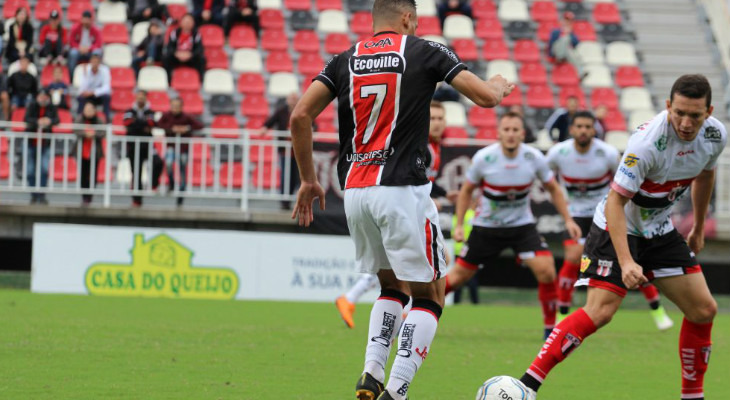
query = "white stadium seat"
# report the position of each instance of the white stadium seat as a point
(78, 74)
(183, 2)
(8, 23)
(152, 78)
(618, 139)
(635, 98)
(599, 1)
(111, 12)
(621, 53)
(435, 38)
(218, 81)
(117, 55)
(139, 32)
(638, 117)
(271, 4)
(332, 21)
(281, 84)
(513, 10)
(15, 66)
(590, 53)
(455, 114)
(598, 76)
(426, 8)
(458, 27)
(506, 68)
(247, 60)
(543, 141)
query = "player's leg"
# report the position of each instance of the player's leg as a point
(483, 244)
(568, 274)
(458, 275)
(543, 267)
(658, 313)
(346, 303)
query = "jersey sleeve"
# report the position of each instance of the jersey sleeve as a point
(712, 163)
(328, 76)
(551, 158)
(440, 61)
(474, 174)
(542, 169)
(633, 168)
(612, 159)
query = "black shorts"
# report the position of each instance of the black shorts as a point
(585, 224)
(660, 257)
(485, 244)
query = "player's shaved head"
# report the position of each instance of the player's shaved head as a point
(390, 13)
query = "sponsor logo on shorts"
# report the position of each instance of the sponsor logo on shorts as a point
(712, 134)
(628, 173)
(585, 262)
(631, 159)
(661, 143)
(604, 267)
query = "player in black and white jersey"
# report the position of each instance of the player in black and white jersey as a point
(632, 239)
(585, 167)
(384, 85)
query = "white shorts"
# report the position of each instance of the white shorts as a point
(396, 227)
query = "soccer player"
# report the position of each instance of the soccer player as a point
(586, 166)
(504, 173)
(384, 86)
(632, 239)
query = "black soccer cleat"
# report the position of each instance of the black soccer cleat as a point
(386, 396)
(368, 388)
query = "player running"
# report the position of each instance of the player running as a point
(504, 173)
(632, 239)
(585, 166)
(384, 86)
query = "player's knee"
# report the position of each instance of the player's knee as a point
(705, 312)
(545, 271)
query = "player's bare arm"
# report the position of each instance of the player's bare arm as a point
(483, 93)
(462, 204)
(314, 100)
(631, 272)
(556, 194)
(701, 193)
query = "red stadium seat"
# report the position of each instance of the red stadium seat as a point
(3, 144)
(540, 96)
(604, 96)
(544, 11)
(101, 171)
(429, 26)
(267, 176)
(47, 75)
(545, 28)
(202, 174)
(18, 119)
(279, 61)
(584, 30)
(122, 100)
(627, 76)
(514, 98)
(455, 132)
(572, 91)
(310, 64)
(488, 29)
(212, 35)
(159, 101)
(11, 6)
(526, 51)
(242, 36)
(261, 152)
(306, 41)
(43, 9)
(484, 9)
(200, 151)
(606, 13)
(362, 23)
(64, 121)
(325, 125)
(298, 5)
(479, 117)
(76, 8)
(271, 19)
(486, 134)
(614, 120)
(185, 79)
(192, 102)
(251, 83)
(255, 106)
(466, 49)
(122, 78)
(307, 81)
(322, 5)
(216, 58)
(70, 172)
(225, 122)
(274, 39)
(115, 33)
(336, 43)
(235, 169)
(118, 124)
(565, 75)
(328, 112)
(176, 11)
(4, 168)
(254, 124)
(495, 50)
(533, 74)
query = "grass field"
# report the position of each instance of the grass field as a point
(80, 347)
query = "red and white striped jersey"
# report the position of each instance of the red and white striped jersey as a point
(505, 184)
(434, 165)
(384, 86)
(657, 168)
(585, 176)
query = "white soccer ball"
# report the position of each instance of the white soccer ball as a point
(503, 388)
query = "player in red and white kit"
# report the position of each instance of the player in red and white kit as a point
(585, 167)
(384, 85)
(504, 173)
(632, 239)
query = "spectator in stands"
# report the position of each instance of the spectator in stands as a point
(58, 89)
(453, 7)
(145, 10)
(85, 38)
(95, 84)
(150, 50)
(40, 117)
(52, 41)
(185, 47)
(600, 125)
(279, 121)
(561, 118)
(91, 148)
(208, 12)
(563, 42)
(244, 11)
(4, 97)
(20, 37)
(178, 124)
(517, 109)
(22, 85)
(2, 35)
(140, 120)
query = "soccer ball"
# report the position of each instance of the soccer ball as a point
(503, 388)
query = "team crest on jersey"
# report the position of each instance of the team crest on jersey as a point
(585, 262)
(490, 158)
(661, 143)
(600, 153)
(564, 151)
(382, 43)
(631, 159)
(529, 156)
(712, 134)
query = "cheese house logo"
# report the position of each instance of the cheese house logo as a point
(161, 267)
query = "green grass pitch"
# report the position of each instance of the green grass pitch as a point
(81, 347)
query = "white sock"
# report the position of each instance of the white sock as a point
(416, 336)
(364, 284)
(385, 319)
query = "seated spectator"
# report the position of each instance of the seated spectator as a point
(84, 39)
(52, 41)
(600, 124)
(40, 117)
(58, 89)
(185, 47)
(244, 11)
(562, 44)
(145, 10)
(140, 120)
(151, 48)
(20, 36)
(453, 7)
(95, 85)
(22, 85)
(4, 97)
(177, 124)
(561, 119)
(208, 12)
(91, 148)
(279, 121)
